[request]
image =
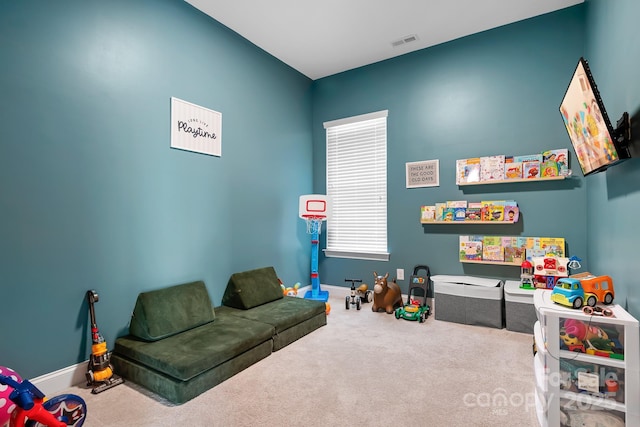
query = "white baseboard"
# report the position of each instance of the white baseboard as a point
(55, 382)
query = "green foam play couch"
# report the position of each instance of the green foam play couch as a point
(179, 345)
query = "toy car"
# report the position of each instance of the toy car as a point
(568, 292)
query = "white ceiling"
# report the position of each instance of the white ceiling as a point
(322, 38)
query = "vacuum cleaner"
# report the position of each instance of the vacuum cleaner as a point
(99, 372)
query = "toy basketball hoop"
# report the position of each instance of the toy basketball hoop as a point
(313, 209)
(314, 223)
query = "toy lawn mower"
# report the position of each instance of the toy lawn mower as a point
(416, 309)
(358, 295)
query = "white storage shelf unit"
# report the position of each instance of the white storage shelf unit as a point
(571, 385)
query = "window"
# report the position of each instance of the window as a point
(357, 186)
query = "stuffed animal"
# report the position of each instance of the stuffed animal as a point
(386, 295)
(291, 291)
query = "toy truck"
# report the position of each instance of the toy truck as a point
(582, 289)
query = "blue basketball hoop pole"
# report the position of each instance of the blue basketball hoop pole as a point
(314, 225)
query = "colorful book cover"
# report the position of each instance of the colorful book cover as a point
(552, 246)
(528, 158)
(561, 158)
(468, 170)
(514, 254)
(470, 248)
(448, 214)
(440, 211)
(512, 169)
(427, 213)
(548, 169)
(456, 203)
(511, 213)
(492, 168)
(459, 214)
(531, 169)
(497, 212)
(492, 249)
(473, 213)
(485, 213)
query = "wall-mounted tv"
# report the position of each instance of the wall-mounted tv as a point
(596, 143)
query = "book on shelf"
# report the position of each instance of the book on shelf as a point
(555, 161)
(492, 249)
(448, 214)
(456, 203)
(427, 213)
(440, 211)
(473, 212)
(470, 248)
(531, 170)
(492, 168)
(552, 246)
(512, 252)
(459, 214)
(467, 170)
(512, 169)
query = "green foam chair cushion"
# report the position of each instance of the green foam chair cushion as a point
(282, 314)
(252, 288)
(186, 355)
(165, 312)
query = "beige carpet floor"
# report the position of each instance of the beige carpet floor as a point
(361, 369)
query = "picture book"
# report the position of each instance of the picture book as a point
(514, 254)
(511, 212)
(456, 203)
(474, 212)
(467, 170)
(512, 169)
(560, 157)
(448, 214)
(530, 169)
(528, 158)
(440, 211)
(485, 213)
(552, 246)
(470, 248)
(496, 212)
(492, 249)
(492, 168)
(548, 169)
(427, 213)
(459, 214)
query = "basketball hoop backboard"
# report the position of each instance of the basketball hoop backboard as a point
(314, 206)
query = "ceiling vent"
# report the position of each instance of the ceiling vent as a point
(404, 40)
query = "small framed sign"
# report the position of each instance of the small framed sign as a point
(195, 128)
(423, 174)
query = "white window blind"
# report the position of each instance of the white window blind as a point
(357, 186)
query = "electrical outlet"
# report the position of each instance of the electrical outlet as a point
(400, 274)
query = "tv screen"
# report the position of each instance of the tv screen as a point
(588, 125)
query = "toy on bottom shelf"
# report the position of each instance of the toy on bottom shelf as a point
(386, 295)
(416, 309)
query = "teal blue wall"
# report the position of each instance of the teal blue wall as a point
(92, 197)
(613, 197)
(496, 92)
